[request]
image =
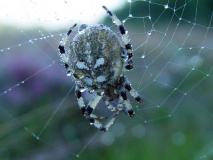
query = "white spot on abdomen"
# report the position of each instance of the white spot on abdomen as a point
(99, 62)
(82, 65)
(101, 78)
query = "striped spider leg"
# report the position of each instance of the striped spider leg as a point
(124, 37)
(127, 86)
(63, 53)
(94, 120)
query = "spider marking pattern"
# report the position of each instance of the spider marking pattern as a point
(96, 57)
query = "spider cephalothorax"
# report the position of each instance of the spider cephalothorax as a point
(96, 57)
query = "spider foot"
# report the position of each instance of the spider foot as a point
(129, 66)
(139, 99)
(94, 117)
(88, 110)
(83, 110)
(92, 120)
(131, 113)
(103, 129)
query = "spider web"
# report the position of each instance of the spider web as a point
(173, 72)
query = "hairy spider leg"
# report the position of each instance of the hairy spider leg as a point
(124, 36)
(63, 54)
(132, 91)
(80, 100)
(126, 103)
(110, 122)
(109, 106)
(93, 119)
(103, 127)
(93, 104)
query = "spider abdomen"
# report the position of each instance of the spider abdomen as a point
(97, 56)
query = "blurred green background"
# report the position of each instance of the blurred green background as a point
(39, 117)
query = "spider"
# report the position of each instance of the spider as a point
(96, 57)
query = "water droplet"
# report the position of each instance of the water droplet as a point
(166, 6)
(150, 17)
(35, 136)
(68, 74)
(22, 82)
(149, 33)
(143, 56)
(130, 15)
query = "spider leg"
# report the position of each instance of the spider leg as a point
(92, 104)
(132, 91)
(94, 120)
(110, 122)
(116, 111)
(109, 106)
(127, 103)
(80, 100)
(124, 37)
(63, 54)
